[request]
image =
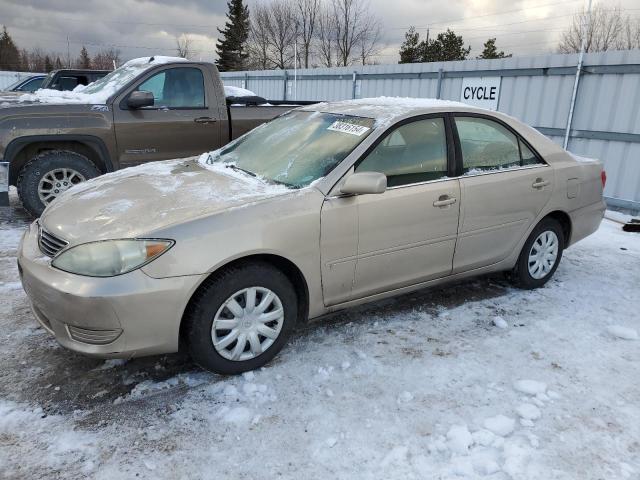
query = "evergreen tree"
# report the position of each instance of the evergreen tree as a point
(232, 47)
(9, 53)
(58, 64)
(411, 48)
(84, 61)
(490, 50)
(446, 47)
(48, 66)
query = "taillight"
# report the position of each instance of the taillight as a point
(603, 177)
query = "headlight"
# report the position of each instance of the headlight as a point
(111, 257)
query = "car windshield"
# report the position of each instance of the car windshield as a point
(115, 80)
(296, 148)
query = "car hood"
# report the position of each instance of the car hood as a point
(139, 200)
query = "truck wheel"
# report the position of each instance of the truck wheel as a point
(241, 318)
(540, 255)
(50, 173)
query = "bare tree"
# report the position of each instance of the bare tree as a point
(369, 40)
(356, 31)
(259, 37)
(184, 45)
(326, 38)
(630, 38)
(307, 22)
(282, 33)
(105, 59)
(604, 31)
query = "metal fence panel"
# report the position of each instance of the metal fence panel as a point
(7, 78)
(536, 89)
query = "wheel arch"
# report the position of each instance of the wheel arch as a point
(21, 150)
(286, 266)
(564, 220)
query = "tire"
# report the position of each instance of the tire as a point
(52, 164)
(525, 275)
(209, 305)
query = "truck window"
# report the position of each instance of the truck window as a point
(181, 87)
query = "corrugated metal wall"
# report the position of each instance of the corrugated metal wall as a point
(7, 78)
(537, 90)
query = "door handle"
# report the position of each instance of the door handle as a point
(540, 183)
(444, 201)
(204, 120)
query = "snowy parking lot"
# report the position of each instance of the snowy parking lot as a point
(471, 380)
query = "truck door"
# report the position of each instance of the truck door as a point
(181, 123)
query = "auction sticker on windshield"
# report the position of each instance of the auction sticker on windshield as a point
(350, 128)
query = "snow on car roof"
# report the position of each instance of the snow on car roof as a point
(99, 91)
(386, 109)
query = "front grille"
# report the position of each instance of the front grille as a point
(49, 244)
(94, 337)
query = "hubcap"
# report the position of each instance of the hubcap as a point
(543, 254)
(54, 182)
(247, 324)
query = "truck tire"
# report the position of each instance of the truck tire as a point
(240, 318)
(43, 178)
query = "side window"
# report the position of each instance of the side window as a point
(181, 87)
(528, 157)
(412, 153)
(486, 145)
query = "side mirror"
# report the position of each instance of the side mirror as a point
(139, 99)
(363, 183)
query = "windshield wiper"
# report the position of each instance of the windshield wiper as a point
(235, 167)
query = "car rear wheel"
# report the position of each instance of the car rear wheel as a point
(240, 319)
(49, 174)
(540, 255)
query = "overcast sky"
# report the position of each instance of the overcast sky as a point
(139, 28)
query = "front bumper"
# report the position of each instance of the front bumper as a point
(4, 184)
(118, 317)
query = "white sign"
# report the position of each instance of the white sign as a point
(350, 128)
(481, 91)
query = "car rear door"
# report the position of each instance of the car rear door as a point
(375, 243)
(181, 123)
(504, 186)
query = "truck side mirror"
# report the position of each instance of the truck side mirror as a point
(139, 99)
(363, 183)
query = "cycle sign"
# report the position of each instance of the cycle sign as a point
(481, 91)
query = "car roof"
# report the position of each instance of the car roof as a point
(386, 110)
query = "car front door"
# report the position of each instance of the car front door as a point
(375, 243)
(179, 124)
(504, 186)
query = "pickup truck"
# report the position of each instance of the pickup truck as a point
(151, 108)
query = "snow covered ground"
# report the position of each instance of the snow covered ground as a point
(473, 380)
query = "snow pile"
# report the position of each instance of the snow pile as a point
(622, 332)
(403, 388)
(102, 89)
(231, 91)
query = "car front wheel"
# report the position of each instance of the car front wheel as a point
(540, 255)
(241, 318)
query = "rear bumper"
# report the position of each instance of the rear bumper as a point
(586, 220)
(119, 317)
(4, 184)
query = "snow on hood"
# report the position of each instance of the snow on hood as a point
(102, 89)
(139, 200)
(231, 91)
